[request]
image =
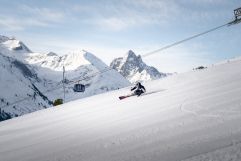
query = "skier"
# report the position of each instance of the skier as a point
(138, 89)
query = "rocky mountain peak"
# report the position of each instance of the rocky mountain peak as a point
(131, 56)
(130, 53)
(3, 38)
(134, 69)
(14, 44)
(52, 54)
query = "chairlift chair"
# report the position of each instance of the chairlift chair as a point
(237, 13)
(79, 87)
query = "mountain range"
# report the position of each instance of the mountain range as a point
(31, 81)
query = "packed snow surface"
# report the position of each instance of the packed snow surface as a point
(193, 116)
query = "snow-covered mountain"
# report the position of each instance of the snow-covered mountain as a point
(18, 82)
(134, 69)
(79, 65)
(193, 116)
(47, 69)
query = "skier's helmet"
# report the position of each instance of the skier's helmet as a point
(138, 83)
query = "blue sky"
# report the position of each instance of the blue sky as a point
(109, 28)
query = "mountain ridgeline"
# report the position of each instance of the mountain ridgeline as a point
(134, 69)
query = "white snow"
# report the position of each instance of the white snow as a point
(12, 44)
(193, 116)
(71, 61)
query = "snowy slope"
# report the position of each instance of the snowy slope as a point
(134, 69)
(190, 116)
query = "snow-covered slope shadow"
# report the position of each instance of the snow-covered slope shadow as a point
(172, 125)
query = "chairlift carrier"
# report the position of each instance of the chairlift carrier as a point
(237, 13)
(79, 87)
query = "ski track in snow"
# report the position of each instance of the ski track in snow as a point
(183, 109)
(197, 118)
(230, 152)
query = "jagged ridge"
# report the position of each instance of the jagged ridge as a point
(134, 69)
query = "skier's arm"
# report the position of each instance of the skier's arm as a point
(133, 88)
(144, 88)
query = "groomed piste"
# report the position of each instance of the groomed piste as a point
(194, 116)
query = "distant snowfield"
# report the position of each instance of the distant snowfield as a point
(193, 116)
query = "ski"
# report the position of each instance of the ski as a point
(143, 94)
(123, 97)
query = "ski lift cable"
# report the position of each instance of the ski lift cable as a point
(144, 55)
(237, 13)
(184, 40)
